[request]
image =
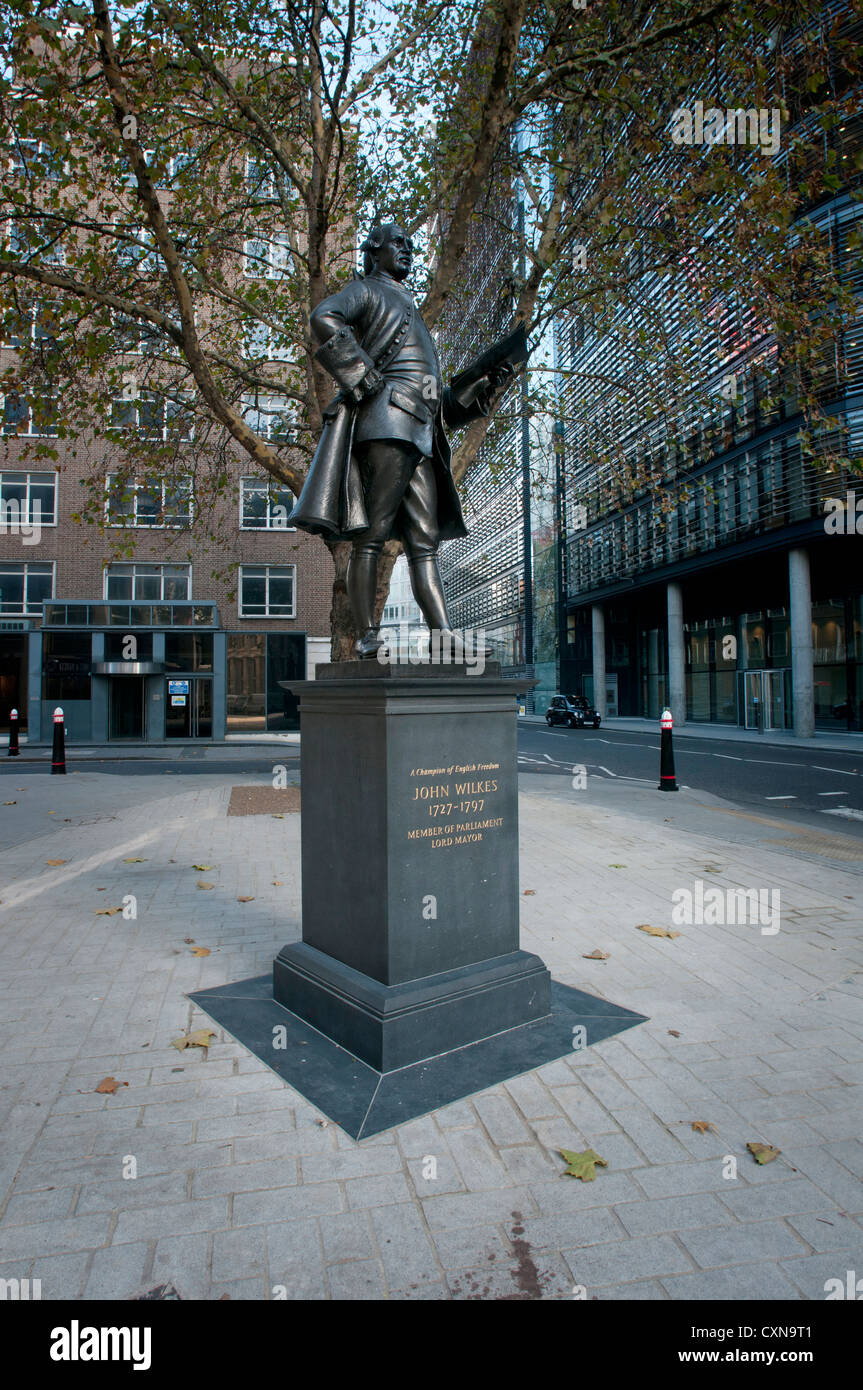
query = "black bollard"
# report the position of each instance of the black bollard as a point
(667, 779)
(58, 757)
(13, 734)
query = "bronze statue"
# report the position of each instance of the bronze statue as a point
(382, 466)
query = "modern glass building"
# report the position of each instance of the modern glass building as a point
(730, 585)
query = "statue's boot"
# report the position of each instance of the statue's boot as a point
(362, 583)
(428, 591)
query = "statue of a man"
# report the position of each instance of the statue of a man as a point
(382, 467)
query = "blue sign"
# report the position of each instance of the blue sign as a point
(178, 687)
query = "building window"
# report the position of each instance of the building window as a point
(36, 159)
(135, 249)
(272, 417)
(24, 588)
(259, 177)
(25, 243)
(268, 257)
(261, 343)
(36, 418)
(152, 416)
(150, 504)
(143, 583)
(26, 324)
(265, 505)
(267, 591)
(188, 651)
(66, 663)
(28, 498)
(134, 337)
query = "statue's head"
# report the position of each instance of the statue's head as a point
(388, 247)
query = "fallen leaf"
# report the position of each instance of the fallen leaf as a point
(703, 1126)
(108, 1085)
(323, 1123)
(200, 951)
(582, 1165)
(657, 931)
(10, 803)
(189, 940)
(617, 866)
(763, 1153)
(202, 884)
(134, 861)
(203, 868)
(674, 1033)
(529, 893)
(200, 1038)
(277, 883)
(595, 955)
(277, 816)
(108, 911)
(56, 861)
(245, 900)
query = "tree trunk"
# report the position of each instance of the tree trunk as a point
(341, 619)
(342, 629)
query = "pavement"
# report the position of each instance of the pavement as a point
(205, 1172)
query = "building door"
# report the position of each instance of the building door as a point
(126, 713)
(189, 709)
(774, 699)
(764, 699)
(13, 679)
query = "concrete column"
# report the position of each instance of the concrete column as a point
(676, 655)
(802, 675)
(597, 614)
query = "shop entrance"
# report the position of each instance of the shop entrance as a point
(126, 707)
(189, 707)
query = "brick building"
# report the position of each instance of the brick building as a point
(215, 623)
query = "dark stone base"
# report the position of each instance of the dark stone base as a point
(364, 1101)
(392, 1026)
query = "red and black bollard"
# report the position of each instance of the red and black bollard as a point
(58, 757)
(667, 779)
(13, 734)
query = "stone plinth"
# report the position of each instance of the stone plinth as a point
(410, 898)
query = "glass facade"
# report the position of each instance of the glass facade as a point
(257, 663)
(66, 662)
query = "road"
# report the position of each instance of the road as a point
(812, 786)
(818, 788)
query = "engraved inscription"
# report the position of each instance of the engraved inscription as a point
(466, 792)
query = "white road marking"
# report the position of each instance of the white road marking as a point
(729, 758)
(840, 770)
(606, 770)
(831, 793)
(773, 762)
(787, 797)
(848, 812)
